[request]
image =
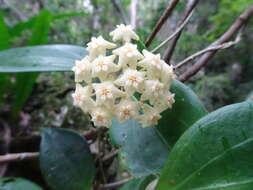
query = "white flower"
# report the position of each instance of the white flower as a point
(149, 117)
(82, 97)
(164, 102)
(110, 88)
(82, 70)
(103, 65)
(124, 33)
(151, 60)
(98, 46)
(126, 110)
(128, 55)
(154, 89)
(167, 75)
(106, 92)
(101, 117)
(131, 80)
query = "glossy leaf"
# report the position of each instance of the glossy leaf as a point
(144, 151)
(9, 183)
(65, 160)
(214, 154)
(40, 58)
(186, 110)
(138, 183)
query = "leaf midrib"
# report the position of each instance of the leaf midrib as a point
(211, 161)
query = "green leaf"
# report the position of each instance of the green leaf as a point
(41, 29)
(9, 183)
(4, 44)
(186, 110)
(214, 154)
(4, 34)
(17, 29)
(25, 81)
(142, 151)
(140, 45)
(40, 58)
(138, 183)
(65, 160)
(23, 88)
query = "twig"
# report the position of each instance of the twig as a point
(170, 50)
(161, 21)
(24, 156)
(120, 11)
(115, 184)
(110, 155)
(35, 140)
(178, 30)
(18, 157)
(5, 139)
(100, 149)
(211, 48)
(238, 24)
(133, 13)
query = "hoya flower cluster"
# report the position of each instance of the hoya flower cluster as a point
(121, 82)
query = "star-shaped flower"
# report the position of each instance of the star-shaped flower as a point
(82, 98)
(82, 70)
(152, 63)
(98, 46)
(124, 33)
(106, 93)
(128, 55)
(154, 89)
(149, 117)
(167, 74)
(164, 102)
(126, 110)
(101, 117)
(103, 66)
(131, 80)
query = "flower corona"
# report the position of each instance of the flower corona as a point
(122, 82)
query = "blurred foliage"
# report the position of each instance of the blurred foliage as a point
(75, 21)
(45, 99)
(228, 77)
(227, 12)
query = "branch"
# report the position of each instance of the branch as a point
(115, 184)
(178, 30)
(238, 24)
(161, 21)
(119, 11)
(18, 157)
(170, 50)
(211, 48)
